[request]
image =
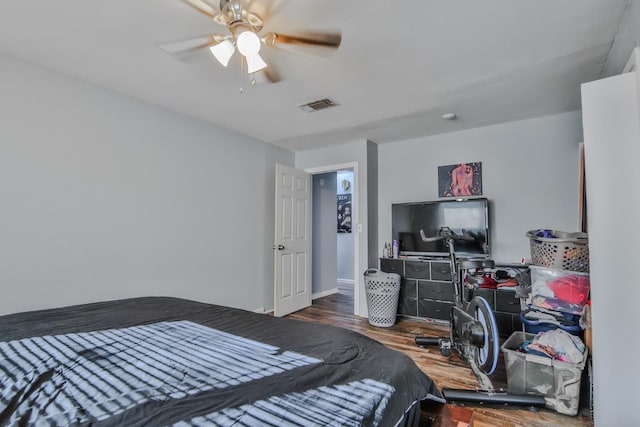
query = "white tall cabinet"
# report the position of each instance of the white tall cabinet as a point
(611, 124)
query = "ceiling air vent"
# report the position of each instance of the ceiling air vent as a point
(320, 104)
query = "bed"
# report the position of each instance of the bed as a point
(170, 361)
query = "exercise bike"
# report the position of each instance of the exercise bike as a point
(474, 333)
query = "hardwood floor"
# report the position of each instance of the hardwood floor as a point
(452, 372)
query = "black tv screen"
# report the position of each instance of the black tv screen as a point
(469, 217)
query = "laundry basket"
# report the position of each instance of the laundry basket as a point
(382, 296)
(564, 251)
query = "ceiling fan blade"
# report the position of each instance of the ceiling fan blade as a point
(191, 44)
(328, 40)
(268, 75)
(307, 43)
(203, 7)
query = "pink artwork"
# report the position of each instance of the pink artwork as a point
(463, 179)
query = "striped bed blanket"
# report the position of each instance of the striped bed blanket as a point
(168, 361)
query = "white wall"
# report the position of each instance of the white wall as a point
(530, 176)
(372, 204)
(345, 240)
(355, 151)
(324, 270)
(105, 197)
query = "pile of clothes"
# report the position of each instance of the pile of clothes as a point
(567, 293)
(491, 278)
(551, 319)
(555, 344)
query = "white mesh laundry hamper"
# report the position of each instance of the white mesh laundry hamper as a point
(382, 296)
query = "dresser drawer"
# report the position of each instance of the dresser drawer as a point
(434, 309)
(487, 294)
(390, 265)
(435, 290)
(507, 324)
(440, 271)
(507, 301)
(417, 270)
(408, 306)
(408, 287)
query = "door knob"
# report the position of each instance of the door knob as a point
(278, 247)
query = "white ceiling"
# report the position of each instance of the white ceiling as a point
(401, 65)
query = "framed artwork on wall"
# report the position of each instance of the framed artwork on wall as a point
(344, 213)
(460, 180)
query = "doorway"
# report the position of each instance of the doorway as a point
(334, 231)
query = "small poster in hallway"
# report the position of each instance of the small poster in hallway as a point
(344, 213)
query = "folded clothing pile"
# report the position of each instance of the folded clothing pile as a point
(556, 344)
(537, 319)
(560, 290)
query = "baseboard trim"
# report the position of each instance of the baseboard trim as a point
(347, 281)
(313, 296)
(324, 293)
(261, 310)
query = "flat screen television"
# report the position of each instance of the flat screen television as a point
(468, 216)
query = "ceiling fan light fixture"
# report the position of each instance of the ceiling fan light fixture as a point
(243, 20)
(248, 43)
(223, 52)
(255, 63)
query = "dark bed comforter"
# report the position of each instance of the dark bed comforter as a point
(169, 361)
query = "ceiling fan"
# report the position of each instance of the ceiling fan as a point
(244, 21)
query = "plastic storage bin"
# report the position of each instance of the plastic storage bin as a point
(559, 290)
(382, 291)
(557, 381)
(565, 251)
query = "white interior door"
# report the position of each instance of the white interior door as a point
(292, 246)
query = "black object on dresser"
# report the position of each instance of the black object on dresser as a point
(426, 292)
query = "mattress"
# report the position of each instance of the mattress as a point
(170, 361)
